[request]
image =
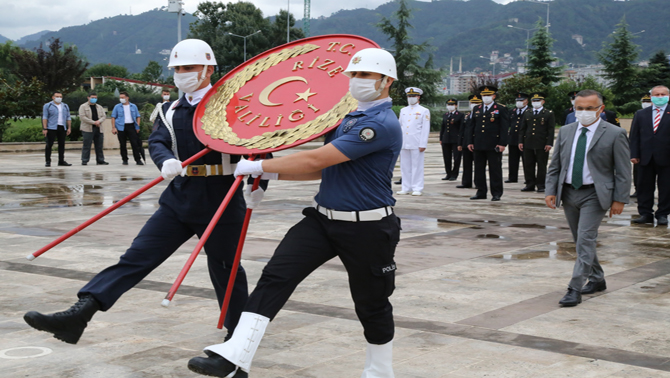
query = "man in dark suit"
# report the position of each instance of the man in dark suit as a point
(514, 155)
(589, 173)
(468, 158)
(645, 102)
(571, 109)
(535, 140)
(487, 140)
(449, 137)
(649, 141)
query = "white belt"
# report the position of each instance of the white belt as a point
(355, 216)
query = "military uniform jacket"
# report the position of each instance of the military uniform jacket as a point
(489, 128)
(465, 128)
(451, 127)
(415, 125)
(193, 199)
(515, 121)
(537, 131)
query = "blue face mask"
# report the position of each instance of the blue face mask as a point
(93, 100)
(659, 101)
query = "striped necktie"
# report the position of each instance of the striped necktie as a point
(657, 119)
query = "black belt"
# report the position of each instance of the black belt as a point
(586, 186)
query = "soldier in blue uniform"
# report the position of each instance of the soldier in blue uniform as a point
(186, 207)
(352, 218)
(452, 121)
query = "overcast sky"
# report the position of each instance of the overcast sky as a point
(23, 17)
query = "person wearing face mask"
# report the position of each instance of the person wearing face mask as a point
(467, 156)
(536, 138)
(645, 102)
(165, 96)
(449, 138)
(488, 136)
(186, 206)
(55, 118)
(415, 124)
(352, 218)
(515, 120)
(649, 141)
(126, 125)
(606, 115)
(92, 116)
(589, 173)
(571, 109)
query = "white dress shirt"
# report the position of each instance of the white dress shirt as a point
(586, 173)
(195, 97)
(655, 111)
(538, 110)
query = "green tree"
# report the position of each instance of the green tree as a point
(58, 67)
(107, 69)
(20, 99)
(518, 83)
(618, 58)
(7, 63)
(277, 31)
(152, 72)
(408, 55)
(540, 56)
(657, 73)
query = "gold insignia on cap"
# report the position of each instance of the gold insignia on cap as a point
(356, 60)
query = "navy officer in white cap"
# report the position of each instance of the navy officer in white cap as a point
(415, 124)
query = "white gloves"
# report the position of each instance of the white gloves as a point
(246, 167)
(172, 168)
(253, 199)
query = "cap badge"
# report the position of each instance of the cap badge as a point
(208, 56)
(356, 60)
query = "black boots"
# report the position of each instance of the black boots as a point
(67, 325)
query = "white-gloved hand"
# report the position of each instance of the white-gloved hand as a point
(253, 199)
(246, 167)
(172, 168)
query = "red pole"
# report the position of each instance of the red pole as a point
(112, 208)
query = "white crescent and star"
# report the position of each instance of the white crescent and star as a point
(265, 93)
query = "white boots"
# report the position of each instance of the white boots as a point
(379, 361)
(240, 349)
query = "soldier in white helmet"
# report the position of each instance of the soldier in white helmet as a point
(186, 207)
(415, 124)
(352, 218)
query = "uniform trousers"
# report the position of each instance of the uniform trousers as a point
(649, 175)
(97, 138)
(129, 133)
(513, 163)
(60, 133)
(449, 151)
(583, 211)
(159, 239)
(532, 158)
(365, 248)
(494, 160)
(468, 162)
(411, 170)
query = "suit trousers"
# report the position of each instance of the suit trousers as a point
(97, 138)
(129, 134)
(366, 249)
(649, 176)
(584, 214)
(468, 161)
(411, 170)
(494, 160)
(535, 158)
(450, 150)
(513, 163)
(636, 175)
(60, 133)
(159, 239)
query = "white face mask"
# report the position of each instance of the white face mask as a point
(166, 98)
(537, 104)
(472, 106)
(572, 102)
(646, 105)
(58, 100)
(587, 117)
(451, 108)
(364, 89)
(412, 100)
(519, 105)
(122, 100)
(188, 82)
(487, 99)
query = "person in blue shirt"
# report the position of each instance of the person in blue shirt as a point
(126, 125)
(352, 218)
(186, 207)
(56, 124)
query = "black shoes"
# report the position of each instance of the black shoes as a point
(445, 178)
(571, 299)
(662, 220)
(102, 163)
(125, 162)
(540, 190)
(139, 163)
(64, 164)
(528, 189)
(644, 219)
(463, 187)
(594, 287)
(214, 366)
(453, 178)
(397, 182)
(511, 181)
(47, 164)
(84, 163)
(495, 198)
(67, 325)
(477, 197)
(634, 195)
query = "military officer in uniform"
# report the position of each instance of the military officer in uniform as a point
(467, 157)
(535, 140)
(415, 124)
(571, 109)
(515, 120)
(452, 121)
(488, 135)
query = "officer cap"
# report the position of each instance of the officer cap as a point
(487, 90)
(453, 101)
(646, 98)
(537, 96)
(573, 94)
(475, 99)
(520, 96)
(413, 91)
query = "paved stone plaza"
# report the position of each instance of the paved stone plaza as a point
(477, 291)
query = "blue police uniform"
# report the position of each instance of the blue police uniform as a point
(349, 191)
(186, 207)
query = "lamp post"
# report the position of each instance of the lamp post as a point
(527, 37)
(491, 62)
(245, 41)
(175, 6)
(543, 3)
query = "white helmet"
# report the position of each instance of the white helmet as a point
(192, 52)
(373, 60)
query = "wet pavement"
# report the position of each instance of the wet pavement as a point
(477, 291)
